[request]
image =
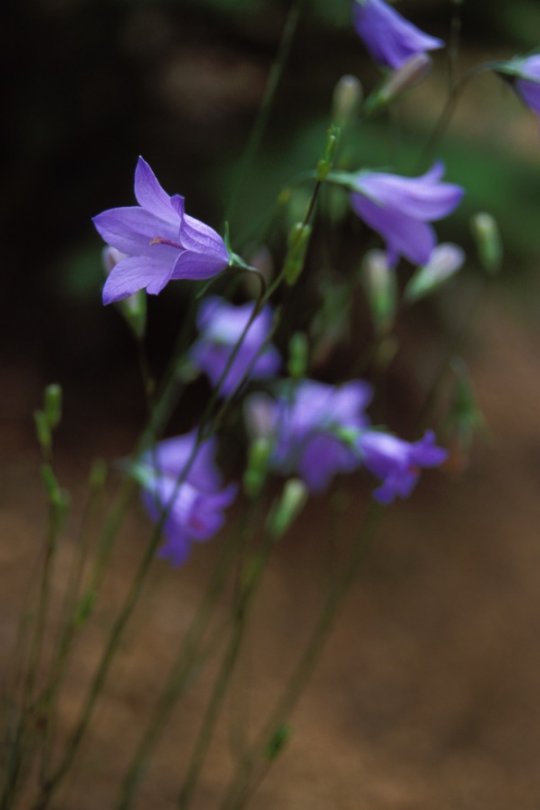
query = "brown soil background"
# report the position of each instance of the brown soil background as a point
(427, 695)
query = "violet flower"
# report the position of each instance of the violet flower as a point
(311, 428)
(388, 36)
(222, 325)
(526, 75)
(158, 240)
(195, 506)
(400, 208)
(397, 462)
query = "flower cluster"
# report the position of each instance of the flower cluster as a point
(318, 430)
(226, 329)
(182, 487)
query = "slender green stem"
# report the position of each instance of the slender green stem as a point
(448, 111)
(248, 586)
(253, 766)
(189, 656)
(263, 115)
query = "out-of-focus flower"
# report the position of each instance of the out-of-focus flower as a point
(445, 261)
(400, 208)
(388, 36)
(525, 74)
(158, 240)
(222, 325)
(195, 505)
(311, 427)
(397, 462)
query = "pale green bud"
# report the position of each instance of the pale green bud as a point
(291, 503)
(379, 282)
(445, 261)
(257, 466)
(53, 404)
(296, 254)
(397, 82)
(298, 355)
(488, 241)
(346, 100)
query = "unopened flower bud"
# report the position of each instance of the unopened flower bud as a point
(296, 254)
(293, 500)
(380, 285)
(488, 241)
(324, 166)
(257, 466)
(298, 355)
(399, 81)
(445, 261)
(347, 99)
(53, 404)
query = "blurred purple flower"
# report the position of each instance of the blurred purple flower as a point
(195, 505)
(388, 36)
(397, 462)
(221, 325)
(311, 427)
(158, 240)
(527, 79)
(400, 208)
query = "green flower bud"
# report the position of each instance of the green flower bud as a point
(291, 503)
(488, 241)
(346, 100)
(298, 355)
(379, 282)
(296, 254)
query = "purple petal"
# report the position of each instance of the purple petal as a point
(422, 198)
(151, 196)
(197, 266)
(389, 37)
(530, 93)
(404, 235)
(197, 236)
(133, 274)
(132, 230)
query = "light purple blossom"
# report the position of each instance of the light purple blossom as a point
(196, 505)
(397, 462)
(401, 208)
(388, 36)
(222, 325)
(528, 80)
(310, 426)
(158, 240)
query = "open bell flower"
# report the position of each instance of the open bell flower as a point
(388, 36)
(310, 428)
(525, 73)
(397, 462)
(401, 208)
(158, 241)
(195, 506)
(222, 326)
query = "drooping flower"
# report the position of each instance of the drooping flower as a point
(195, 505)
(525, 73)
(397, 462)
(311, 426)
(158, 240)
(222, 325)
(388, 36)
(400, 208)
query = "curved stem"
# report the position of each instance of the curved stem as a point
(255, 763)
(263, 115)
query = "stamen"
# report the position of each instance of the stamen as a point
(161, 240)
